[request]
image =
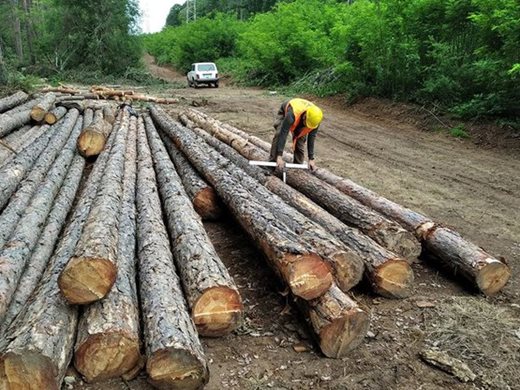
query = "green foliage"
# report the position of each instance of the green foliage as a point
(459, 132)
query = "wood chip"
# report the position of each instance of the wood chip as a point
(424, 304)
(448, 364)
(300, 347)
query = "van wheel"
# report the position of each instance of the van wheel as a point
(216, 84)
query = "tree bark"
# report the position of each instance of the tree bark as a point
(28, 227)
(10, 121)
(13, 100)
(338, 321)
(202, 195)
(25, 106)
(175, 358)
(21, 198)
(32, 357)
(42, 252)
(17, 30)
(389, 275)
(93, 137)
(21, 143)
(39, 110)
(109, 114)
(387, 233)
(55, 115)
(108, 343)
(214, 300)
(92, 271)
(305, 272)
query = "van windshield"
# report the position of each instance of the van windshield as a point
(205, 67)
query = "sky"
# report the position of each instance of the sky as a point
(154, 13)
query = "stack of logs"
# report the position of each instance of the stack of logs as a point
(125, 241)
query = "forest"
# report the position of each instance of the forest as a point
(460, 56)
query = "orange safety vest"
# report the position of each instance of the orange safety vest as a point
(299, 107)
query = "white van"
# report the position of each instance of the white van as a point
(203, 73)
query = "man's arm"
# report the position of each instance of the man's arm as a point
(310, 143)
(284, 131)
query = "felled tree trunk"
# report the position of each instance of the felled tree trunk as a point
(25, 106)
(13, 141)
(32, 357)
(13, 100)
(42, 252)
(9, 122)
(389, 275)
(175, 358)
(214, 300)
(55, 115)
(306, 273)
(107, 344)
(338, 321)
(27, 229)
(93, 137)
(109, 115)
(387, 233)
(202, 195)
(39, 110)
(92, 271)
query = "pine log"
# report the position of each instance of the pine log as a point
(55, 115)
(13, 100)
(19, 143)
(28, 227)
(202, 195)
(92, 270)
(31, 356)
(305, 272)
(214, 300)
(338, 321)
(175, 359)
(107, 344)
(67, 90)
(487, 273)
(89, 117)
(109, 115)
(93, 137)
(42, 252)
(9, 144)
(39, 110)
(25, 106)
(389, 275)
(9, 122)
(21, 198)
(388, 234)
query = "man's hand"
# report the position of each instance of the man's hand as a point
(312, 165)
(280, 164)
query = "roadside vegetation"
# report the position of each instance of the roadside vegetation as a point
(462, 56)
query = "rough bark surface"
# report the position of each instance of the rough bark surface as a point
(39, 110)
(385, 232)
(9, 122)
(21, 198)
(214, 300)
(28, 228)
(13, 100)
(338, 321)
(175, 359)
(202, 195)
(14, 141)
(42, 252)
(92, 270)
(107, 344)
(32, 357)
(14, 170)
(25, 106)
(55, 115)
(93, 137)
(306, 273)
(389, 275)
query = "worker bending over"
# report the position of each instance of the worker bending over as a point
(302, 118)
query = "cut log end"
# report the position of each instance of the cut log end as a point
(349, 269)
(403, 244)
(91, 143)
(393, 279)
(176, 369)
(207, 205)
(86, 280)
(38, 113)
(107, 355)
(308, 277)
(493, 276)
(217, 312)
(344, 334)
(30, 371)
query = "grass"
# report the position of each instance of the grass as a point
(483, 335)
(459, 131)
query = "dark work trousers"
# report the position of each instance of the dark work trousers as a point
(299, 150)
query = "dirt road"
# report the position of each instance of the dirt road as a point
(474, 190)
